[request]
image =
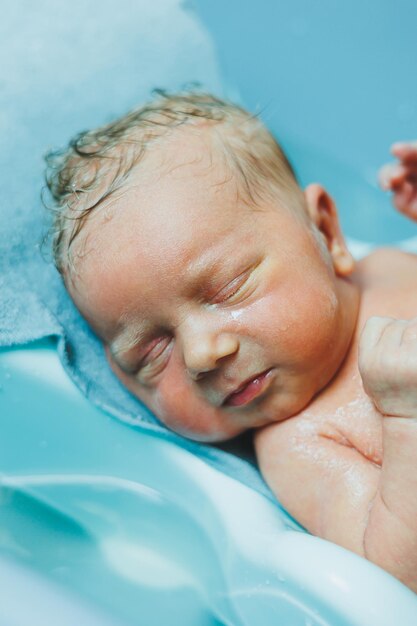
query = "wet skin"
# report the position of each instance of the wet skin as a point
(223, 316)
(220, 316)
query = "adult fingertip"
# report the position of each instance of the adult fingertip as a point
(399, 149)
(404, 149)
(399, 145)
(384, 177)
(384, 184)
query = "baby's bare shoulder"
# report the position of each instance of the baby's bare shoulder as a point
(386, 259)
(348, 423)
(320, 474)
(387, 279)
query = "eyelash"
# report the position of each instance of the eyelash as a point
(154, 362)
(241, 281)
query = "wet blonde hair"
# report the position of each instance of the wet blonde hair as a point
(96, 163)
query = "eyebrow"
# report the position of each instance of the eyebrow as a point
(201, 267)
(209, 266)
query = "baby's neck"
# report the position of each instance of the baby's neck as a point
(349, 293)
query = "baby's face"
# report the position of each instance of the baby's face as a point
(220, 317)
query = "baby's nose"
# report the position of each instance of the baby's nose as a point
(203, 352)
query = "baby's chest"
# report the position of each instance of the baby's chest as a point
(347, 415)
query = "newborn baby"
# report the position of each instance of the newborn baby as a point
(227, 300)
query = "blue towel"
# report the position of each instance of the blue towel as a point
(68, 65)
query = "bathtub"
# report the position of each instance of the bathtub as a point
(104, 524)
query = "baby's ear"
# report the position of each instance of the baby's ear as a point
(323, 213)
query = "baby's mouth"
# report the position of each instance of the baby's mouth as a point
(249, 390)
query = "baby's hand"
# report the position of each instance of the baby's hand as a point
(401, 178)
(388, 365)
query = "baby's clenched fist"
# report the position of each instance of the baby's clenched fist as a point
(388, 365)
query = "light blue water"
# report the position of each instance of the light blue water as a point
(336, 83)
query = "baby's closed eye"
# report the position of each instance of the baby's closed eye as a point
(237, 289)
(154, 357)
(231, 290)
(146, 356)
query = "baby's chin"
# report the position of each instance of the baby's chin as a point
(207, 432)
(213, 435)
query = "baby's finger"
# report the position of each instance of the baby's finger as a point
(405, 151)
(373, 331)
(392, 175)
(378, 354)
(409, 335)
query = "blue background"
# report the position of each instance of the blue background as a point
(336, 82)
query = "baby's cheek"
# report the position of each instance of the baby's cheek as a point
(169, 398)
(169, 402)
(180, 407)
(306, 323)
(176, 405)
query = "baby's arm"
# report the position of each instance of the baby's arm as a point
(388, 365)
(401, 178)
(342, 492)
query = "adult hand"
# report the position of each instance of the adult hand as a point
(401, 178)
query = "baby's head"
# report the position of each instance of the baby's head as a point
(217, 285)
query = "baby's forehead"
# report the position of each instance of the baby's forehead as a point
(152, 238)
(184, 180)
(189, 149)
(178, 190)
